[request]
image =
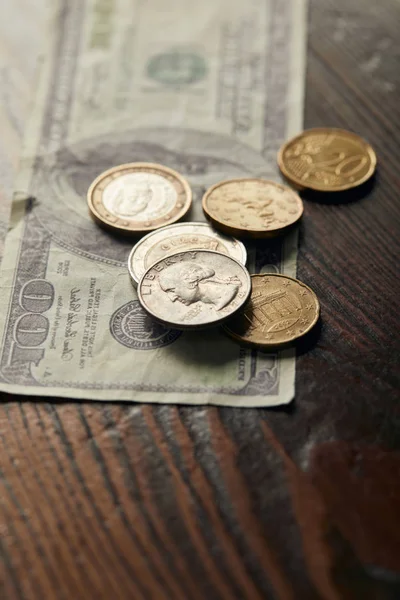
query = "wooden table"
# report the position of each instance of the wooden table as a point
(110, 501)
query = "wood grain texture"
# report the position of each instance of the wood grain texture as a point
(153, 502)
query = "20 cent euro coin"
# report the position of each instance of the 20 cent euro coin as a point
(280, 310)
(138, 197)
(327, 160)
(194, 289)
(253, 208)
(177, 238)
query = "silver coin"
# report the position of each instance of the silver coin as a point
(178, 238)
(194, 289)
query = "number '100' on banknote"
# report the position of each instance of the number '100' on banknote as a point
(208, 88)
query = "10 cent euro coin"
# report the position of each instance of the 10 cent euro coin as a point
(280, 310)
(253, 208)
(177, 238)
(194, 289)
(138, 197)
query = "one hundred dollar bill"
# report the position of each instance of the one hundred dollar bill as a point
(21, 35)
(208, 88)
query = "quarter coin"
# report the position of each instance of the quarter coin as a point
(177, 238)
(280, 310)
(138, 197)
(194, 289)
(327, 160)
(255, 208)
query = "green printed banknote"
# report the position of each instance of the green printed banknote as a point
(210, 89)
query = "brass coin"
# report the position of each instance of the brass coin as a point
(138, 197)
(255, 208)
(280, 310)
(327, 160)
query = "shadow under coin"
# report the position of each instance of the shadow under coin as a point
(204, 347)
(344, 197)
(308, 342)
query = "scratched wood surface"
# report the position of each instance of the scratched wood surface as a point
(109, 501)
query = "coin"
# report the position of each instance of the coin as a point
(327, 160)
(254, 208)
(176, 238)
(138, 197)
(194, 289)
(280, 310)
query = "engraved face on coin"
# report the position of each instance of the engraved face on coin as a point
(280, 310)
(177, 238)
(139, 197)
(194, 289)
(327, 160)
(252, 207)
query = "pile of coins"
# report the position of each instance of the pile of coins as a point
(193, 275)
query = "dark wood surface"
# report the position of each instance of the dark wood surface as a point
(110, 501)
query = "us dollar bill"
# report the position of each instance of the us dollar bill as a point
(18, 64)
(208, 88)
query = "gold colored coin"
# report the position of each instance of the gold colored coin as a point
(255, 208)
(280, 310)
(327, 160)
(138, 197)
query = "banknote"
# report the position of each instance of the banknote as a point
(21, 41)
(208, 88)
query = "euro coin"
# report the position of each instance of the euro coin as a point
(280, 310)
(253, 208)
(177, 238)
(194, 289)
(327, 160)
(138, 197)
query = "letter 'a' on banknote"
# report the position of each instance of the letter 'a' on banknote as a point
(210, 89)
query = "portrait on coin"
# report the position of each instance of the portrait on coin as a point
(139, 196)
(130, 201)
(190, 282)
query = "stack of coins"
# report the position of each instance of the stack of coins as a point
(193, 275)
(178, 238)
